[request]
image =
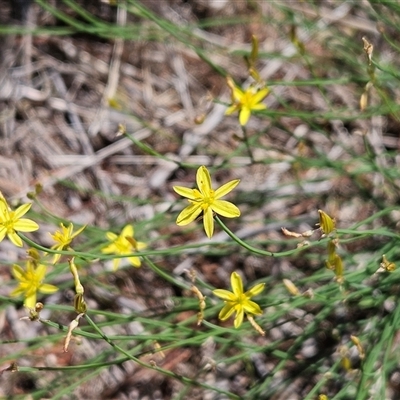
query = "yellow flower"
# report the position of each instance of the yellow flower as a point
(30, 282)
(246, 101)
(238, 301)
(11, 222)
(123, 244)
(206, 200)
(64, 239)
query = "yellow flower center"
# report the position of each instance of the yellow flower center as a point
(241, 299)
(207, 201)
(9, 223)
(248, 99)
(30, 283)
(123, 245)
(62, 239)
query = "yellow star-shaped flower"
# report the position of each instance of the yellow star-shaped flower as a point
(123, 244)
(239, 301)
(206, 200)
(246, 101)
(11, 222)
(30, 282)
(64, 239)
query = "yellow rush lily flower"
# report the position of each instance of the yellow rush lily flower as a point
(239, 301)
(64, 239)
(30, 282)
(11, 222)
(123, 244)
(246, 101)
(206, 200)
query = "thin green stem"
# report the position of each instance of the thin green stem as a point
(99, 256)
(163, 274)
(154, 367)
(240, 242)
(247, 143)
(254, 250)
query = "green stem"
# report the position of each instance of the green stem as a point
(247, 143)
(241, 242)
(259, 251)
(152, 366)
(165, 275)
(91, 256)
(359, 234)
(51, 251)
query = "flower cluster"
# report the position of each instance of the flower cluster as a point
(205, 203)
(31, 279)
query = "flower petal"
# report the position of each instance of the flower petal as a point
(127, 231)
(239, 318)
(226, 209)
(3, 209)
(3, 232)
(47, 288)
(255, 290)
(18, 272)
(140, 246)
(40, 272)
(22, 210)
(237, 93)
(226, 311)
(259, 106)
(111, 236)
(237, 284)
(185, 192)
(188, 214)
(231, 109)
(252, 308)
(203, 181)
(244, 116)
(15, 239)
(17, 291)
(30, 301)
(116, 263)
(226, 188)
(110, 249)
(74, 235)
(56, 257)
(208, 222)
(259, 96)
(67, 231)
(135, 261)
(25, 225)
(224, 294)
